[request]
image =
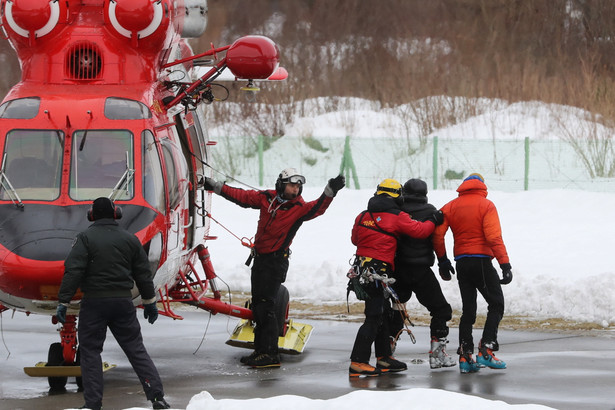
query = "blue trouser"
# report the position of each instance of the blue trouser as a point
(119, 315)
(478, 274)
(268, 273)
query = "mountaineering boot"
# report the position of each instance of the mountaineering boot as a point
(466, 362)
(245, 359)
(391, 364)
(160, 403)
(393, 342)
(437, 355)
(357, 369)
(487, 358)
(264, 360)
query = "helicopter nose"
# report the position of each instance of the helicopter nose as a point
(45, 246)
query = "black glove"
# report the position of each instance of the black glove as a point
(445, 268)
(209, 183)
(150, 312)
(334, 185)
(61, 313)
(506, 273)
(437, 218)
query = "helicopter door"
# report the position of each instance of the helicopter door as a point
(193, 148)
(177, 194)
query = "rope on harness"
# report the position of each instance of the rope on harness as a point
(247, 242)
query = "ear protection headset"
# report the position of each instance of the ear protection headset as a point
(117, 211)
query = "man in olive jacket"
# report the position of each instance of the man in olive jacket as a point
(105, 262)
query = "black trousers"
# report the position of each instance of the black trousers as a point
(268, 273)
(421, 280)
(119, 315)
(375, 328)
(478, 274)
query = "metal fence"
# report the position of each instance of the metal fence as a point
(507, 165)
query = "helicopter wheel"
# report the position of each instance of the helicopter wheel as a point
(281, 309)
(56, 358)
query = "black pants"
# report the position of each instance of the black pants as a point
(119, 315)
(375, 328)
(422, 281)
(268, 273)
(478, 274)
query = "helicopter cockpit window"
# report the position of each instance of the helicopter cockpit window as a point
(102, 163)
(32, 164)
(21, 108)
(123, 109)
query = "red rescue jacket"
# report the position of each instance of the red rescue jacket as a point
(375, 231)
(475, 224)
(279, 221)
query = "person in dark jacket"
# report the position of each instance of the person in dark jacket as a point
(413, 273)
(282, 212)
(375, 234)
(106, 261)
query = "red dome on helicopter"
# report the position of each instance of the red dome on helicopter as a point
(253, 57)
(134, 15)
(31, 15)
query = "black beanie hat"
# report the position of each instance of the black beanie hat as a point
(103, 208)
(415, 188)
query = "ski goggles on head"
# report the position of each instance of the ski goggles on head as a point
(295, 179)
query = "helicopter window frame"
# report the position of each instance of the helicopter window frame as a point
(100, 168)
(117, 108)
(172, 177)
(154, 191)
(21, 108)
(33, 168)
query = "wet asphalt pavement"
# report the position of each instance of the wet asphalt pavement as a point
(563, 371)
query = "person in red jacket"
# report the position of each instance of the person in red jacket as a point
(282, 212)
(375, 234)
(477, 236)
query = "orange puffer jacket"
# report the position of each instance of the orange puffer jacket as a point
(475, 224)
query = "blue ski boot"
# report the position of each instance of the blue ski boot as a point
(487, 358)
(466, 362)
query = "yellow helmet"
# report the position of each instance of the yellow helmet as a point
(390, 187)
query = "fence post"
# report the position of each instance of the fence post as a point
(526, 178)
(435, 162)
(348, 164)
(260, 160)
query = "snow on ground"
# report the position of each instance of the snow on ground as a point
(558, 242)
(419, 399)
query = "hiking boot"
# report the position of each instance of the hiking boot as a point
(391, 364)
(487, 358)
(467, 364)
(160, 403)
(263, 360)
(245, 359)
(357, 369)
(437, 355)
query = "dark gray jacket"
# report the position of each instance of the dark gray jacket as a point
(106, 261)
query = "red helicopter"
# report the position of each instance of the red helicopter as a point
(110, 104)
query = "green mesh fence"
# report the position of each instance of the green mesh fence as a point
(508, 165)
